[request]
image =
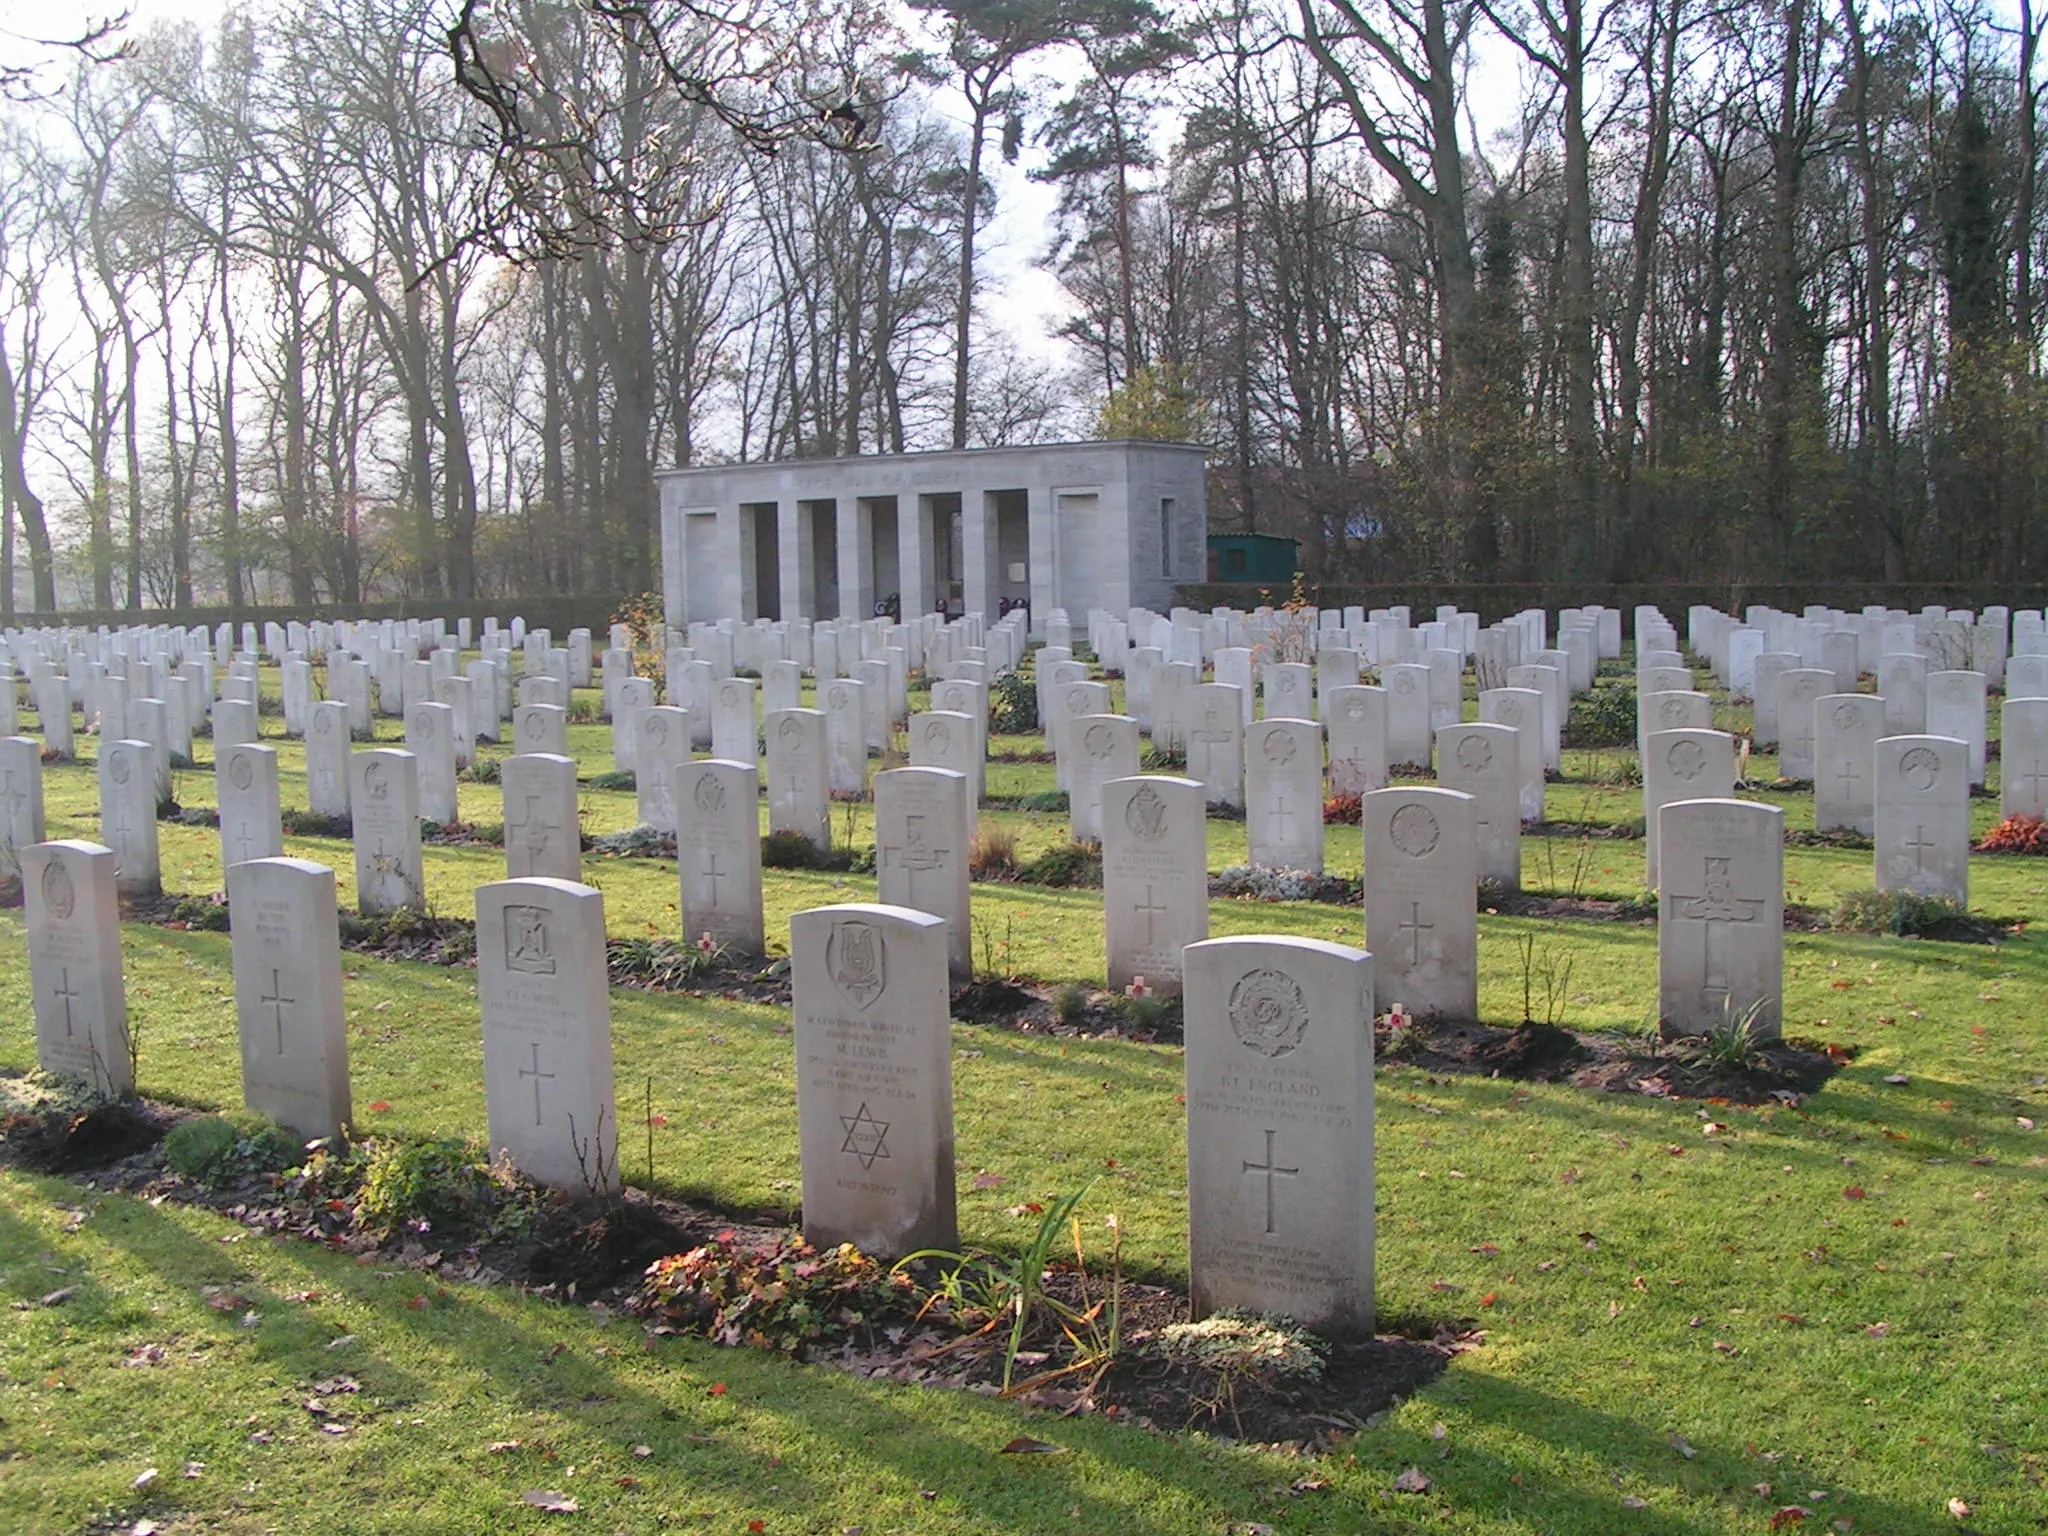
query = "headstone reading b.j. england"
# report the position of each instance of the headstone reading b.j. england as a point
(74, 964)
(1280, 1131)
(288, 1003)
(874, 1079)
(1721, 918)
(547, 1026)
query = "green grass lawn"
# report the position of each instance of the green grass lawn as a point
(1842, 1302)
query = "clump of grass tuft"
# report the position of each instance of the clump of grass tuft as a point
(1909, 916)
(215, 1149)
(993, 853)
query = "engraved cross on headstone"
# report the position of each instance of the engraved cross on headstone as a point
(1283, 815)
(538, 1077)
(66, 993)
(1415, 927)
(2033, 779)
(1149, 906)
(243, 839)
(1850, 778)
(1271, 1169)
(1718, 907)
(534, 828)
(1919, 843)
(714, 874)
(275, 1000)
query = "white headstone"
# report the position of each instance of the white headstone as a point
(2022, 758)
(542, 836)
(1280, 1131)
(547, 1025)
(1721, 917)
(1105, 747)
(1846, 730)
(288, 1000)
(1421, 900)
(718, 852)
(74, 964)
(1687, 764)
(1483, 761)
(799, 781)
(663, 743)
(920, 862)
(1922, 816)
(1155, 878)
(384, 806)
(430, 737)
(21, 800)
(1284, 794)
(874, 1058)
(245, 788)
(127, 785)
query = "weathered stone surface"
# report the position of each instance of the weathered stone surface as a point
(874, 1078)
(1721, 917)
(1421, 900)
(74, 964)
(288, 999)
(1155, 878)
(1280, 1131)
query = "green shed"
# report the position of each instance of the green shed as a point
(1262, 558)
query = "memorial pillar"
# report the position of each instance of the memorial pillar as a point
(978, 552)
(790, 556)
(1042, 519)
(914, 554)
(856, 522)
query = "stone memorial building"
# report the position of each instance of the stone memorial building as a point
(980, 530)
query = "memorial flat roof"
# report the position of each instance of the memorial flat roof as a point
(932, 453)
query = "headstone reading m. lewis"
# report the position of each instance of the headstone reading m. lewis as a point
(874, 1080)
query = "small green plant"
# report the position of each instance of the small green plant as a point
(1162, 759)
(793, 850)
(1143, 1007)
(621, 779)
(781, 1295)
(443, 1185)
(484, 770)
(215, 1149)
(1909, 916)
(201, 914)
(1070, 1004)
(1606, 717)
(1049, 802)
(1736, 1044)
(583, 711)
(1552, 975)
(986, 1287)
(1012, 705)
(1065, 865)
(661, 963)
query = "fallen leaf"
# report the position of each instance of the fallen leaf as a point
(1488, 1299)
(499, 1447)
(643, 1451)
(1790, 1515)
(59, 1297)
(1630, 1501)
(550, 1501)
(988, 1181)
(1959, 1509)
(144, 1480)
(1303, 1485)
(718, 1389)
(757, 1526)
(1853, 1192)
(1412, 1481)
(1024, 1445)
(381, 1107)
(1683, 1446)
(1898, 1080)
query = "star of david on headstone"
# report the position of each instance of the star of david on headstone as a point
(866, 1137)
